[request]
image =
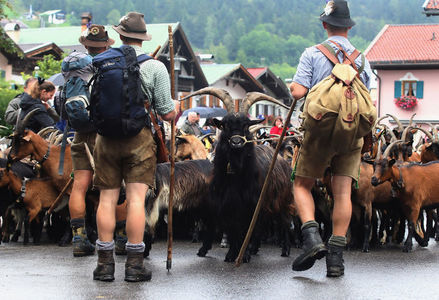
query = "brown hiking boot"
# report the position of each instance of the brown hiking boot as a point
(105, 268)
(134, 268)
(81, 245)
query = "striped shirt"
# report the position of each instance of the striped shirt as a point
(314, 66)
(155, 83)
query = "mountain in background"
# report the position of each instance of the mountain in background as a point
(252, 32)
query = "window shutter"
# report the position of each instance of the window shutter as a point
(420, 89)
(397, 89)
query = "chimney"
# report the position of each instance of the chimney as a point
(13, 30)
(86, 18)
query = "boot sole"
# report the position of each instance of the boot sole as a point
(81, 254)
(104, 278)
(137, 278)
(306, 260)
(334, 273)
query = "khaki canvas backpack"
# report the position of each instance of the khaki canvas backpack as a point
(340, 106)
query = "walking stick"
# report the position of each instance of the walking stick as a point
(244, 246)
(61, 194)
(171, 180)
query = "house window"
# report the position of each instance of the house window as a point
(409, 85)
(409, 88)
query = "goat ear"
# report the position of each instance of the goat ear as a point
(26, 138)
(254, 122)
(218, 124)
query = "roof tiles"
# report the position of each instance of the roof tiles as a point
(399, 44)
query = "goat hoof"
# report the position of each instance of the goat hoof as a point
(285, 253)
(365, 249)
(407, 249)
(246, 258)
(146, 253)
(423, 244)
(436, 238)
(5, 240)
(14, 238)
(202, 252)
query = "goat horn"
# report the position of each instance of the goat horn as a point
(222, 94)
(379, 153)
(253, 97)
(386, 153)
(295, 131)
(58, 139)
(43, 132)
(434, 129)
(21, 125)
(206, 135)
(430, 136)
(380, 119)
(400, 127)
(404, 133)
(394, 138)
(411, 119)
(256, 127)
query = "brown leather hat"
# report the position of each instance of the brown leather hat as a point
(133, 25)
(95, 36)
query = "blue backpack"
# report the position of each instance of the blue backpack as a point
(77, 70)
(117, 102)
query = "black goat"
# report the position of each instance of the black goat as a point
(240, 168)
(192, 179)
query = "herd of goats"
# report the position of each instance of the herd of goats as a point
(217, 189)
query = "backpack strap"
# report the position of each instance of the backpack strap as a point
(329, 53)
(349, 59)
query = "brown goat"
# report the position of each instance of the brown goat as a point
(417, 188)
(189, 147)
(30, 143)
(40, 193)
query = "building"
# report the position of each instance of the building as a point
(405, 59)
(431, 8)
(274, 87)
(233, 78)
(55, 17)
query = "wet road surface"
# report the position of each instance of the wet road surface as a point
(50, 272)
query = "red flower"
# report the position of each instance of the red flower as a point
(406, 102)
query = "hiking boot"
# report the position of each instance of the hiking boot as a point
(81, 245)
(134, 268)
(313, 249)
(105, 268)
(120, 241)
(334, 261)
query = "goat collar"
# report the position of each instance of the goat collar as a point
(45, 157)
(20, 198)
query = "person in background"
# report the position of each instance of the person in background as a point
(278, 126)
(11, 113)
(41, 92)
(191, 126)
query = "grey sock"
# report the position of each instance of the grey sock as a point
(309, 224)
(135, 247)
(100, 245)
(338, 241)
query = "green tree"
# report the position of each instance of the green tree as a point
(48, 66)
(283, 70)
(113, 17)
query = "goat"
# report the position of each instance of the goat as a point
(26, 142)
(192, 179)
(416, 185)
(35, 194)
(7, 202)
(239, 172)
(189, 147)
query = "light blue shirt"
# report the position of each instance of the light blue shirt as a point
(314, 66)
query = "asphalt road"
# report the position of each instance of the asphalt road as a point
(50, 272)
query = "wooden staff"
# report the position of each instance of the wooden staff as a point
(171, 180)
(153, 55)
(58, 199)
(244, 246)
